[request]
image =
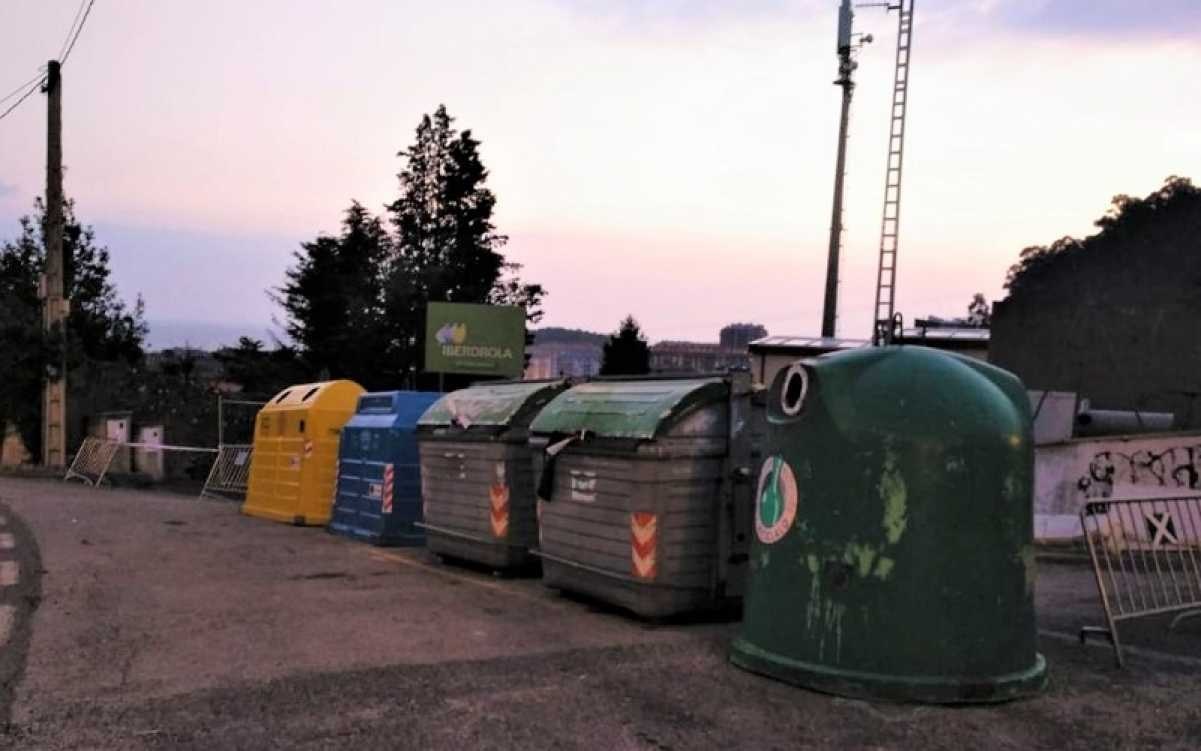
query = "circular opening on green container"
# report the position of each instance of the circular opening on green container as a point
(796, 386)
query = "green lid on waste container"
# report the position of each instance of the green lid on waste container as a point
(626, 409)
(494, 405)
(892, 555)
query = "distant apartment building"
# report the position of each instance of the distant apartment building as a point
(730, 351)
(564, 360)
(695, 357)
(559, 353)
(740, 335)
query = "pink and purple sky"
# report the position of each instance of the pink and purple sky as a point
(670, 159)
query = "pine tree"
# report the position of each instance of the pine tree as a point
(626, 352)
(446, 247)
(100, 328)
(334, 303)
(446, 242)
(355, 304)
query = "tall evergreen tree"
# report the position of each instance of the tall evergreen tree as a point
(334, 304)
(446, 246)
(626, 352)
(355, 304)
(446, 242)
(100, 328)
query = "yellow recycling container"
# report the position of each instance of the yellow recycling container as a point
(293, 467)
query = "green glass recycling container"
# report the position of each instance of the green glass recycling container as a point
(893, 534)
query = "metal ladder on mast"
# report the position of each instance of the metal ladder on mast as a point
(886, 275)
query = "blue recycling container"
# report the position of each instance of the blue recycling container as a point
(378, 494)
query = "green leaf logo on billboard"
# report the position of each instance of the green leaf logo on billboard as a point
(452, 334)
(481, 339)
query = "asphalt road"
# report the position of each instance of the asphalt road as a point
(166, 622)
(20, 595)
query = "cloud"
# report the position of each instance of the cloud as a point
(1071, 19)
(7, 189)
(1043, 20)
(1109, 18)
(693, 12)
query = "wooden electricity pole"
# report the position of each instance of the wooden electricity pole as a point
(54, 406)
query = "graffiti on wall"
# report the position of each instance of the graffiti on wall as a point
(1177, 467)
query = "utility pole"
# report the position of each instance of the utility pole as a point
(54, 406)
(846, 66)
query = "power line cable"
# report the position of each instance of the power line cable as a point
(79, 29)
(20, 88)
(72, 34)
(29, 93)
(71, 29)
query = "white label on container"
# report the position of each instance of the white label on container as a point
(583, 486)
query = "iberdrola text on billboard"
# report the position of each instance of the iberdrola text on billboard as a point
(481, 339)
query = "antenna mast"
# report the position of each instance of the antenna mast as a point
(890, 225)
(847, 45)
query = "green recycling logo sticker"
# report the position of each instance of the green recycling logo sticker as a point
(776, 500)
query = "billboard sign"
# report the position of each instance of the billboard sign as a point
(476, 339)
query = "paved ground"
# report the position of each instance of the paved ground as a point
(163, 622)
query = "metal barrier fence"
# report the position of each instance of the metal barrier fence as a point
(95, 457)
(92, 460)
(242, 427)
(1146, 555)
(230, 473)
(164, 448)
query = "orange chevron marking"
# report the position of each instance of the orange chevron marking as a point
(644, 539)
(644, 548)
(645, 532)
(498, 495)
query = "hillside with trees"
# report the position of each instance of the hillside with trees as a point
(1095, 315)
(1135, 235)
(558, 335)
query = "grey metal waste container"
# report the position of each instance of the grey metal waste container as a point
(477, 483)
(644, 498)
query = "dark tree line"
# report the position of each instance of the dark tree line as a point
(354, 304)
(1170, 215)
(101, 329)
(1113, 316)
(261, 372)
